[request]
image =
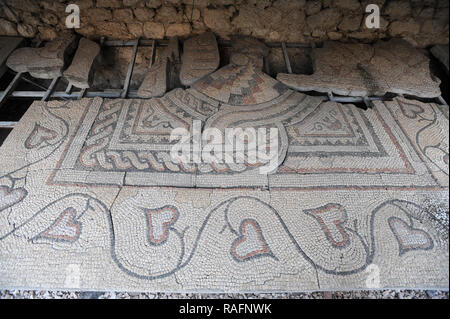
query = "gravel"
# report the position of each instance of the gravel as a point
(374, 294)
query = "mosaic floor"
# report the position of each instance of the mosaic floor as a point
(90, 199)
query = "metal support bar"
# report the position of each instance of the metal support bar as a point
(50, 89)
(130, 71)
(4, 124)
(152, 56)
(286, 58)
(368, 102)
(163, 43)
(69, 88)
(81, 94)
(442, 100)
(33, 83)
(330, 96)
(116, 93)
(9, 90)
(351, 99)
(131, 43)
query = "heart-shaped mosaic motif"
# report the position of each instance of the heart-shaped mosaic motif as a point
(158, 221)
(251, 243)
(410, 110)
(332, 218)
(409, 238)
(38, 136)
(9, 197)
(66, 228)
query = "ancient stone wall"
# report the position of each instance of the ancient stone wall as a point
(422, 22)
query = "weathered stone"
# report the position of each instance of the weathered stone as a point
(249, 19)
(253, 50)
(423, 23)
(87, 30)
(398, 9)
(46, 62)
(47, 33)
(98, 14)
(30, 18)
(109, 3)
(156, 81)
(7, 45)
(351, 5)
(10, 13)
(200, 58)
(440, 52)
(154, 30)
(350, 23)
(193, 14)
(197, 3)
(49, 18)
(168, 15)
(334, 36)
(218, 20)
(113, 30)
(172, 51)
(7, 28)
(313, 7)
(144, 14)
(131, 3)
(123, 15)
(289, 4)
(136, 29)
(405, 69)
(324, 20)
(85, 4)
(24, 5)
(365, 70)
(178, 29)
(153, 3)
(26, 30)
(79, 74)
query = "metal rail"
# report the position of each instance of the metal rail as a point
(126, 92)
(50, 89)
(126, 85)
(286, 58)
(7, 125)
(442, 100)
(10, 89)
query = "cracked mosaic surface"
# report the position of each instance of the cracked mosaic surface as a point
(90, 200)
(368, 70)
